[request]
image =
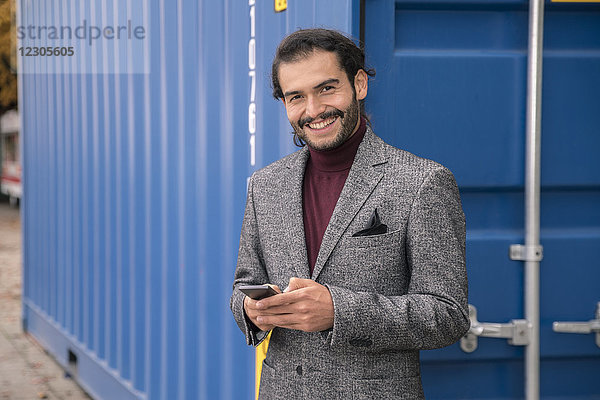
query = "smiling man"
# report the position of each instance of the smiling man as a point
(327, 114)
(367, 240)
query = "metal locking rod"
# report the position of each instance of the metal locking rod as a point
(532, 195)
(591, 326)
(517, 331)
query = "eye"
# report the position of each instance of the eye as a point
(294, 98)
(327, 89)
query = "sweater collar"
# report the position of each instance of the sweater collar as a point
(342, 157)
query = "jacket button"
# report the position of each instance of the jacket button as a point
(299, 369)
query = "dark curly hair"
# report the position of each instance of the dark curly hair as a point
(302, 43)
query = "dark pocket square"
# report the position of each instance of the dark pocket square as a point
(374, 227)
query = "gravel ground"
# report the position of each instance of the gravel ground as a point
(26, 371)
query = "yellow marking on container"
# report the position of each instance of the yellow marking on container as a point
(261, 354)
(280, 5)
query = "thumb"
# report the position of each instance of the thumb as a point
(297, 283)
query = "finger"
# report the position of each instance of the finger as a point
(249, 303)
(250, 311)
(279, 300)
(282, 320)
(264, 328)
(298, 283)
(252, 314)
(277, 310)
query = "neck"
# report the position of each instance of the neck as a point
(342, 157)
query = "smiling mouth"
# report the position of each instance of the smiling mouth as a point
(322, 124)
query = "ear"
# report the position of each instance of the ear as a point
(361, 84)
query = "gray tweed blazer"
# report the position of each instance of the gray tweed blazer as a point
(393, 293)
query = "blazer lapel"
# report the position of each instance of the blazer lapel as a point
(291, 211)
(365, 174)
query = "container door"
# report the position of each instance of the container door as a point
(451, 86)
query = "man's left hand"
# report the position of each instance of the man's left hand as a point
(305, 305)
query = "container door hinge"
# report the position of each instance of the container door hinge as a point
(520, 252)
(591, 326)
(517, 331)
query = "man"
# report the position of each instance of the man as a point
(367, 240)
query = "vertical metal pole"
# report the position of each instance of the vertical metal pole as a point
(532, 195)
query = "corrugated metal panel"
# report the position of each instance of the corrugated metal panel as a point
(135, 185)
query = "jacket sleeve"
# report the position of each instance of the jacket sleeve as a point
(250, 270)
(433, 313)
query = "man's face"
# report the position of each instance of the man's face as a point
(320, 101)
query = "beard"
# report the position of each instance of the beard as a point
(349, 118)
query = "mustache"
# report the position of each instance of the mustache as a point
(327, 114)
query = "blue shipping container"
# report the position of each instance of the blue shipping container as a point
(136, 153)
(451, 86)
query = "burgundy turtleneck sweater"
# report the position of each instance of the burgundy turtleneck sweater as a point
(324, 177)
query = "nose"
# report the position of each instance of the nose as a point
(314, 107)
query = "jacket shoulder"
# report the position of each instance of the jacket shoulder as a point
(275, 170)
(411, 163)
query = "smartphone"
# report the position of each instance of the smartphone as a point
(257, 292)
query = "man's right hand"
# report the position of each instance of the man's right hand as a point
(252, 312)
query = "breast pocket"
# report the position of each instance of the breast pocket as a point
(388, 239)
(374, 263)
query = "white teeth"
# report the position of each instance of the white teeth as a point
(321, 125)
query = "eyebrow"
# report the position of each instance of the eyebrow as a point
(327, 82)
